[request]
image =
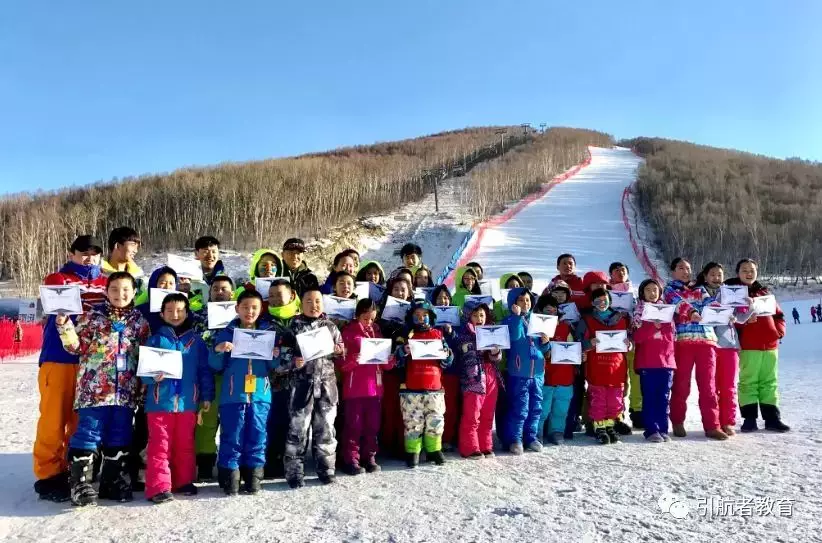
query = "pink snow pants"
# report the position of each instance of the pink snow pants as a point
(170, 460)
(727, 373)
(702, 356)
(477, 419)
(607, 403)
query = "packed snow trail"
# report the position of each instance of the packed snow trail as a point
(582, 216)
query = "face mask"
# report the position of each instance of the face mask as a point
(424, 321)
(602, 306)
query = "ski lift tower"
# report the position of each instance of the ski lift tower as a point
(502, 132)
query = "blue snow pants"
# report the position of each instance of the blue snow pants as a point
(109, 426)
(243, 435)
(524, 410)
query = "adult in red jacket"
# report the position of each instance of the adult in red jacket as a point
(57, 376)
(758, 359)
(566, 266)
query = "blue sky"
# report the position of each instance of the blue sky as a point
(92, 90)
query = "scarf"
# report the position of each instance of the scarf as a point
(86, 273)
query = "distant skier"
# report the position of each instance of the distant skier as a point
(795, 314)
(819, 313)
(813, 313)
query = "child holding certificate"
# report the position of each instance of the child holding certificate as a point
(362, 392)
(759, 339)
(423, 400)
(106, 338)
(558, 386)
(694, 350)
(467, 283)
(727, 349)
(654, 362)
(605, 372)
(314, 395)
(391, 431)
(441, 296)
(171, 405)
(205, 433)
(507, 281)
(526, 374)
(480, 380)
(245, 400)
(163, 277)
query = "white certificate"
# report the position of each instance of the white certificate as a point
(61, 299)
(622, 301)
(477, 299)
(368, 290)
(220, 314)
(339, 308)
(764, 306)
(156, 297)
(427, 349)
(254, 344)
(542, 324)
(733, 295)
(152, 362)
(423, 293)
(395, 309)
(492, 337)
(262, 284)
(612, 342)
(569, 312)
(490, 287)
(447, 314)
(186, 267)
(316, 343)
(660, 313)
(374, 351)
(503, 297)
(716, 316)
(566, 352)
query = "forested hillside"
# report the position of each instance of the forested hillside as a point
(708, 204)
(523, 170)
(252, 204)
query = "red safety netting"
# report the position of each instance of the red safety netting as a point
(31, 342)
(640, 252)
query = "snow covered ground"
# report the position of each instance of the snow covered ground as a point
(576, 492)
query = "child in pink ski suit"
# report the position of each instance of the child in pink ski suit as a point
(695, 347)
(727, 350)
(362, 391)
(480, 382)
(171, 404)
(654, 362)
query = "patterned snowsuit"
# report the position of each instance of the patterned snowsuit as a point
(313, 404)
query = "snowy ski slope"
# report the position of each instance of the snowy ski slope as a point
(576, 492)
(581, 215)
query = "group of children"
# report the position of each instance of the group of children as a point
(98, 418)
